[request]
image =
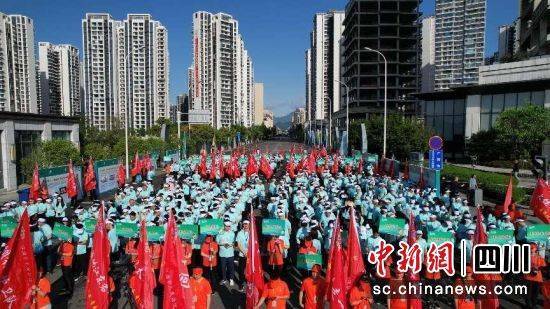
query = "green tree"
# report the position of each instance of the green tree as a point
(524, 129)
(404, 135)
(488, 146)
(49, 154)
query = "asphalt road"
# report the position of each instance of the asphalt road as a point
(230, 297)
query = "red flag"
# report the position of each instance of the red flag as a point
(44, 189)
(421, 180)
(142, 282)
(18, 267)
(213, 166)
(337, 289)
(331, 255)
(90, 182)
(360, 166)
(136, 169)
(254, 273)
(35, 186)
(251, 167)
(508, 197)
(266, 168)
(121, 177)
(406, 171)
(97, 284)
(335, 166)
(173, 272)
(355, 264)
(540, 201)
(71, 188)
(391, 171)
(202, 166)
(480, 236)
(220, 165)
(290, 168)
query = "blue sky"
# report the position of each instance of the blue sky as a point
(275, 33)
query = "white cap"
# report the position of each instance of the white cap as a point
(470, 232)
(65, 219)
(246, 222)
(41, 220)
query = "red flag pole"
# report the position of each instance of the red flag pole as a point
(98, 285)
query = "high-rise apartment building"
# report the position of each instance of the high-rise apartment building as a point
(534, 27)
(59, 76)
(308, 84)
(100, 68)
(258, 104)
(126, 68)
(508, 41)
(325, 64)
(17, 64)
(392, 28)
(221, 76)
(428, 54)
(459, 41)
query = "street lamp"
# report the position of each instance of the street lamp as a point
(347, 112)
(126, 111)
(329, 123)
(385, 96)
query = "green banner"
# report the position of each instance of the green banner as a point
(7, 228)
(501, 237)
(125, 229)
(306, 261)
(273, 227)
(62, 232)
(392, 226)
(188, 231)
(8, 219)
(155, 233)
(89, 225)
(210, 226)
(440, 237)
(538, 232)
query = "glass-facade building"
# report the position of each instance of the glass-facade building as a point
(460, 112)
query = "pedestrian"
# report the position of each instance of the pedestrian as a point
(312, 292)
(472, 187)
(534, 278)
(242, 247)
(209, 253)
(226, 241)
(465, 300)
(515, 169)
(66, 254)
(81, 246)
(187, 252)
(41, 292)
(49, 250)
(360, 296)
(131, 249)
(201, 289)
(275, 250)
(275, 293)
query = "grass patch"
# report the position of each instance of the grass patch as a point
(493, 184)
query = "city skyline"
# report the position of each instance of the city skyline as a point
(281, 70)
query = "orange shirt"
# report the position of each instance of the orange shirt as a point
(362, 294)
(209, 253)
(537, 262)
(545, 291)
(156, 255)
(66, 251)
(314, 293)
(465, 301)
(201, 290)
(276, 288)
(42, 301)
(397, 301)
(275, 248)
(131, 250)
(307, 250)
(187, 252)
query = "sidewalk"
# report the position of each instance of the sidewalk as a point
(526, 178)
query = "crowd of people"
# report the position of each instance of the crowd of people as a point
(310, 191)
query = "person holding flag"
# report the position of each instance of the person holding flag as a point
(275, 294)
(90, 182)
(361, 294)
(201, 289)
(312, 292)
(142, 281)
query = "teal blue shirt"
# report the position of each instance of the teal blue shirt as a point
(226, 237)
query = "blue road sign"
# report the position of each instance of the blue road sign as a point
(435, 142)
(436, 159)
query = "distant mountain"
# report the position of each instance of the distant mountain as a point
(283, 122)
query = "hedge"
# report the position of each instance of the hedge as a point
(493, 184)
